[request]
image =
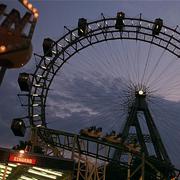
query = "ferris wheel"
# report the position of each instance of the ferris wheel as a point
(117, 90)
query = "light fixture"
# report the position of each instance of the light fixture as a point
(27, 178)
(37, 85)
(35, 105)
(30, 6)
(48, 171)
(12, 165)
(2, 174)
(7, 172)
(35, 95)
(35, 115)
(54, 52)
(25, 2)
(3, 167)
(39, 125)
(2, 48)
(41, 174)
(43, 67)
(140, 92)
(39, 76)
(36, 15)
(21, 151)
(34, 10)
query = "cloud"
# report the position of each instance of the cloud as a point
(9, 108)
(82, 103)
(79, 102)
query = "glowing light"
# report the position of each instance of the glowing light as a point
(30, 6)
(12, 165)
(25, 2)
(81, 30)
(34, 10)
(35, 95)
(54, 52)
(48, 171)
(1, 174)
(74, 35)
(37, 85)
(7, 172)
(3, 167)
(2, 48)
(48, 59)
(41, 174)
(91, 28)
(141, 92)
(39, 76)
(98, 25)
(39, 125)
(67, 40)
(43, 67)
(26, 160)
(36, 115)
(27, 178)
(21, 151)
(36, 15)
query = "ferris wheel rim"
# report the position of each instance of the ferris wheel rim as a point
(49, 70)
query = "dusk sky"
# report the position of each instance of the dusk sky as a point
(84, 93)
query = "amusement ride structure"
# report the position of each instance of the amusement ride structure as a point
(15, 39)
(132, 153)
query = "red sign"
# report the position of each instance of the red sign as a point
(22, 159)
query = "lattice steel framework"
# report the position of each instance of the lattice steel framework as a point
(94, 155)
(67, 46)
(70, 44)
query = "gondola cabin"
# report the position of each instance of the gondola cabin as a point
(92, 132)
(113, 138)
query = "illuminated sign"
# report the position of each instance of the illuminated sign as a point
(40, 160)
(22, 159)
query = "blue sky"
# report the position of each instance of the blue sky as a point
(54, 15)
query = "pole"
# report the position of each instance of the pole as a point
(129, 166)
(2, 73)
(143, 166)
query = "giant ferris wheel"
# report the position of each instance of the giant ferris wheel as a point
(114, 83)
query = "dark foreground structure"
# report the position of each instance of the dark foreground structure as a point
(22, 165)
(89, 155)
